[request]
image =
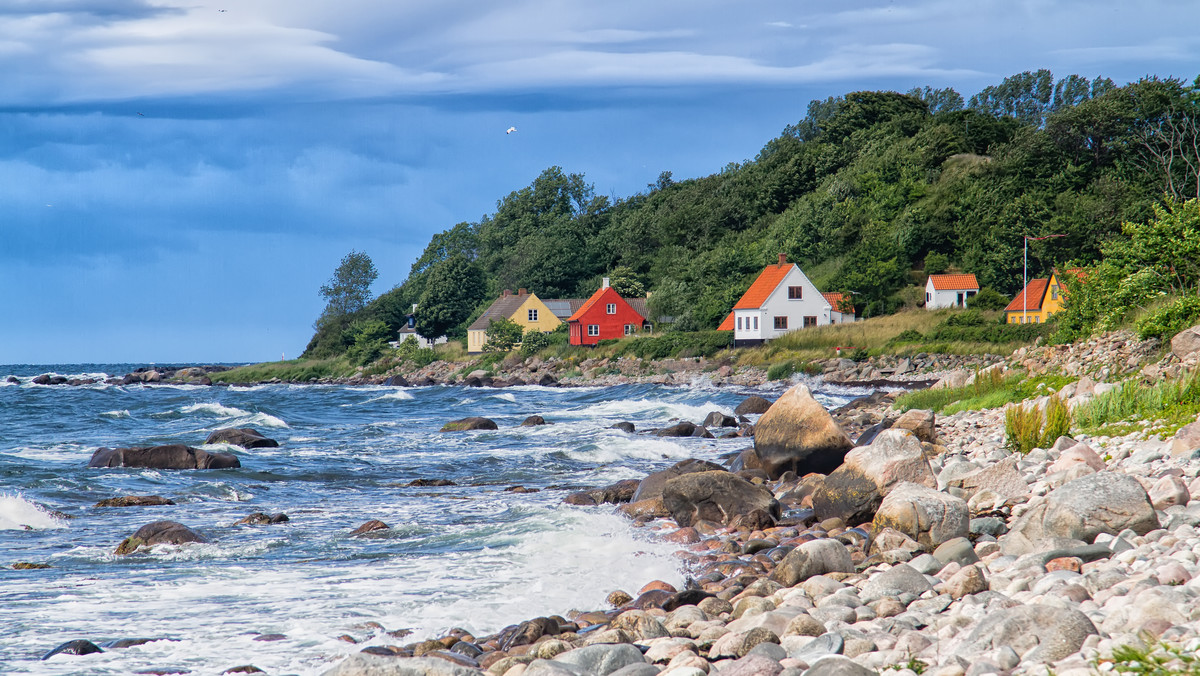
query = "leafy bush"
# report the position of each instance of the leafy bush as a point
(678, 344)
(1171, 318)
(502, 335)
(370, 340)
(534, 341)
(907, 336)
(411, 351)
(989, 299)
(973, 326)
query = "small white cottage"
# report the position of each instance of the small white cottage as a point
(950, 290)
(780, 300)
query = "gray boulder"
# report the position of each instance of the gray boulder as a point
(376, 665)
(897, 580)
(652, 485)
(246, 437)
(1046, 633)
(718, 419)
(855, 490)
(752, 406)
(720, 497)
(919, 422)
(798, 434)
(923, 514)
(1102, 502)
(601, 659)
(1186, 343)
(812, 558)
(467, 424)
(158, 533)
(837, 665)
(173, 456)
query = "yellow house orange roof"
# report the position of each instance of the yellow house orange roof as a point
(953, 282)
(762, 287)
(1030, 297)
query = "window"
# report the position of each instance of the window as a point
(593, 329)
(611, 308)
(795, 292)
(960, 300)
(1054, 292)
(629, 329)
(810, 321)
(739, 323)
(781, 322)
(928, 297)
(533, 315)
(755, 322)
(1037, 319)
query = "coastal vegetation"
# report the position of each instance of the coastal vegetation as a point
(869, 192)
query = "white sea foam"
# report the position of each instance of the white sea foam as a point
(622, 447)
(649, 407)
(213, 409)
(116, 414)
(17, 513)
(507, 396)
(398, 395)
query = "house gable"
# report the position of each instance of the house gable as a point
(781, 300)
(592, 322)
(534, 314)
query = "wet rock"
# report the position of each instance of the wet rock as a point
(372, 526)
(618, 493)
(262, 519)
(798, 434)
(77, 647)
(471, 423)
(924, 514)
(719, 497)
(718, 419)
(816, 557)
(246, 437)
(652, 485)
(244, 669)
(26, 565)
(426, 483)
(752, 406)
(173, 456)
(855, 490)
(158, 533)
(680, 429)
(626, 427)
(135, 501)
(533, 421)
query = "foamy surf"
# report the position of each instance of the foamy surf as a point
(123, 413)
(17, 513)
(242, 417)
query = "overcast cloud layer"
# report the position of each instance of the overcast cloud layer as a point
(178, 178)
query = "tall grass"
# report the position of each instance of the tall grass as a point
(1135, 400)
(989, 390)
(1028, 426)
(295, 370)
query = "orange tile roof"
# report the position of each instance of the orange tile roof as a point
(726, 325)
(1034, 292)
(762, 287)
(587, 304)
(954, 282)
(836, 299)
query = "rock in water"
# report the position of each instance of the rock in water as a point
(533, 421)
(80, 646)
(370, 527)
(173, 456)
(159, 533)
(720, 497)
(135, 501)
(682, 429)
(652, 485)
(472, 423)
(718, 419)
(798, 434)
(854, 491)
(246, 437)
(752, 406)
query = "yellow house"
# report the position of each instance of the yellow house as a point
(1040, 299)
(523, 308)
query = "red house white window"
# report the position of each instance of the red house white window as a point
(593, 329)
(611, 308)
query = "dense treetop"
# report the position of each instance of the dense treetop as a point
(859, 192)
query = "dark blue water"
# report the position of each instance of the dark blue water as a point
(471, 555)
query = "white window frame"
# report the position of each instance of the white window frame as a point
(611, 309)
(629, 330)
(593, 329)
(533, 314)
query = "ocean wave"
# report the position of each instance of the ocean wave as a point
(123, 413)
(17, 513)
(213, 409)
(622, 447)
(398, 395)
(652, 407)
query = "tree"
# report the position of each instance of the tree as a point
(349, 289)
(452, 290)
(370, 340)
(626, 283)
(939, 100)
(502, 335)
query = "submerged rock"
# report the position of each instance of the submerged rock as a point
(158, 533)
(79, 646)
(173, 456)
(246, 437)
(471, 423)
(135, 501)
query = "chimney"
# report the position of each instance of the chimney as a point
(783, 259)
(604, 284)
(414, 307)
(506, 293)
(522, 292)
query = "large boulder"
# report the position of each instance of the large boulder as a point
(923, 514)
(472, 423)
(1186, 343)
(601, 659)
(855, 490)
(173, 456)
(618, 493)
(680, 429)
(752, 406)
(920, 422)
(798, 434)
(815, 557)
(363, 664)
(1038, 633)
(246, 437)
(159, 533)
(720, 497)
(652, 485)
(1102, 502)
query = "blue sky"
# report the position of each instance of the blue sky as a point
(176, 181)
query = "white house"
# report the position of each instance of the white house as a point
(949, 291)
(410, 329)
(782, 299)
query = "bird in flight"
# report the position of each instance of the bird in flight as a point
(141, 115)
(222, 10)
(510, 130)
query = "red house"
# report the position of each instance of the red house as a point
(605, 315)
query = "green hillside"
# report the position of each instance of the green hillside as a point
(868, 192)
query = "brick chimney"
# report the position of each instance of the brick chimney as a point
(506, 293)
(522, 292)
(783, 259)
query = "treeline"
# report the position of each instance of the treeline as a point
(868, 192)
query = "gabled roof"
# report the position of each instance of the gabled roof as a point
(762, 287)
(583, 309)
(639, 306)
(954, 282)
(564, 307)
(835, 299)
(726, 325)
(502, 307)
(1030, 297)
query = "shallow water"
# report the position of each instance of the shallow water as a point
(470, 555)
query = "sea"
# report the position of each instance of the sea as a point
(286, 598)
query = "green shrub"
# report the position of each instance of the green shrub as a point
(502, 335)
(988, 299)
(1058, 419)
(907, 336)
(781, 370)
(1026, 427)
(534, 341)
(1171, 318)
(1134, 400)
(677, 344)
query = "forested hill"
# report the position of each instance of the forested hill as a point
(864, 191)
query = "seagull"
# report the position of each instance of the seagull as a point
(222, 10)
(510, 130)
(141, 115)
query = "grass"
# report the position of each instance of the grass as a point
(1160, 659)
(295, 370)
(1171, 403)
(990, 390)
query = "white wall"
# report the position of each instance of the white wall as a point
(812, 304)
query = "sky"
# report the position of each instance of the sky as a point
(178, 178)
